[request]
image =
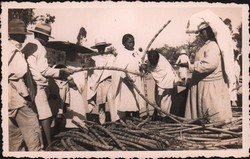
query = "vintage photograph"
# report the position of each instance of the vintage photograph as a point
(127, 79)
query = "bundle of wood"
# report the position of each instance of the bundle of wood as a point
(136, 134)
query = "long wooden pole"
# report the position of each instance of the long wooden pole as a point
(143, 57)
(107, 68)
(150, 43)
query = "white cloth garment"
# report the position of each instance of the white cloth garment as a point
(223, 38)
(163, 74)
(125, 97)
(183, 58)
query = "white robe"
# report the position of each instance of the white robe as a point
(223, 37)
(126, 98)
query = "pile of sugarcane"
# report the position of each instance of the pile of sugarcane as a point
(137, 134)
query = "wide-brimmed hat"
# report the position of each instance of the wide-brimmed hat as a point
(17, 26)
(43, 28)
(100, 42)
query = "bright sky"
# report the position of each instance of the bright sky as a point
(142, 20)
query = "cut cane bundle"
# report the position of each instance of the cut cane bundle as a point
(136, 134)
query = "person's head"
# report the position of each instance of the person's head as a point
(60, 66)
(153, 58)
(206, 32)
(183, 51)
(81, 37)
(17, 30)
(236, 53)
(42, 32)
(228, 22)
(100, 45)
(128, 41)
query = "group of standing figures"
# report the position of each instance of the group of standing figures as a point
(209, 90)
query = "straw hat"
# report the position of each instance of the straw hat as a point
(44, 29)
(100, 42)
(17, 26)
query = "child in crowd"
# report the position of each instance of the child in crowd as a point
(126, 97)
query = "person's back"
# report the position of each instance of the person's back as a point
(162, 72)
(164, 77)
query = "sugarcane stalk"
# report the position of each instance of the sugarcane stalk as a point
(52, 144)
(107, 68)
(70, 144)
(97, 136)
(97, 53)
(220, 135)
(65, 145)
(94, 144)
(139, 147)
(79, 125)
(234, 128)
(83, 135)
(134, 132)
(111, 135)
(56, 149)
(143, 57)
(78, 147)
(155, 105)
(145, 144)
(143, 122)
(184, 130)
(225, 143)
(158, 138)
(153, 39)
(134, 137)
(224, 131)
(201, 139)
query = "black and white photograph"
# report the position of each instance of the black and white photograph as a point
(125, 79)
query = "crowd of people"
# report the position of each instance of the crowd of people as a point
(119, 92)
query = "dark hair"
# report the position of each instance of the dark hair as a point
(210, 33)
(18, 37)
(60, 66)
(153, 57)
(126, 37)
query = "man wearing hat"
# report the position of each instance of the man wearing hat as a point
(41, 71)
(183, 59)
(23, 122)
(99, 81)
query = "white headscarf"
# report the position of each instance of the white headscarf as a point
(222, 35)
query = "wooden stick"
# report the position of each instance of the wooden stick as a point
(155, 105)
(143, 57)
(107, 68)
(150, 43)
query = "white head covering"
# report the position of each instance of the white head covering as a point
(222, 35)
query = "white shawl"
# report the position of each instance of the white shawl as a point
(222, 35)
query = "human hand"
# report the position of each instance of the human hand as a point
(28, 100)
(128, 80)
(72, 83)
(183, 65)
(65, 72)
(143, 68)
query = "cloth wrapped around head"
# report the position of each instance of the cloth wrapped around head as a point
(222, 34)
